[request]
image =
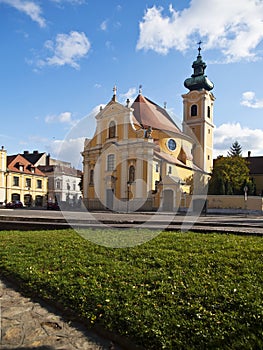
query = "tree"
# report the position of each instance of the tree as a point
(229, 176)
(81, 183)
(235, 150)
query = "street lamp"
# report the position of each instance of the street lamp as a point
(128, 194)
(245, 196)
(29, 196)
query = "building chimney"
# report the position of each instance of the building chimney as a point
(48, 159)
(35, 152)
(26, 152)
(249, 154)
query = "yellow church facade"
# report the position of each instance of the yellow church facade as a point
(139, 159)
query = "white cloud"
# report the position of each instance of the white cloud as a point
(249, 139)
(30, 8)
(235, 30)
(104, 25)
(130, 94)
(67, 49)
(65, 118)
(71, 147)
(68, 150)
(73, 2)
(249, 100)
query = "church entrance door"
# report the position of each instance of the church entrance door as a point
(109, 199)
(168, 200)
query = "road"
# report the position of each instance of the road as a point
(45, 219)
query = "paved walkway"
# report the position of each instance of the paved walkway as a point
(27, 324)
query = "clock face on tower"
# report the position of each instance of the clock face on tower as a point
(171, 144)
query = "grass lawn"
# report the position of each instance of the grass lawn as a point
(177, 291)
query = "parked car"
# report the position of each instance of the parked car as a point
(14, 205)
(52, 206)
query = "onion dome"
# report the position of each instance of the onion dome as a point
(198, 80)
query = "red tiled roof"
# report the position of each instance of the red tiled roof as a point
(172, 160)
(148, 113)
(14, 161)
(169, 158)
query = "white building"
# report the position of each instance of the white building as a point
(63, 179)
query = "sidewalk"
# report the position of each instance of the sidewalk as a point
(28, 324)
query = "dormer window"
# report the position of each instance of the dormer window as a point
(31, 168)
(19, 166)
(112, 130)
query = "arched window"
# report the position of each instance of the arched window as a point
(91, 177)
(112, 130)
(193, 110)
(110, 162)
(131, 173)
(208, 112)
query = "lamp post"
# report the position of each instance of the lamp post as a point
(128, 194)
(245, 197)
(29, 196)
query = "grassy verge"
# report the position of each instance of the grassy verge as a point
(177, 291)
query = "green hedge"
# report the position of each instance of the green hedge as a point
(177, 291)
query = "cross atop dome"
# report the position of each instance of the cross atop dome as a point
(114, 98)
(199, 47)
(198, 80)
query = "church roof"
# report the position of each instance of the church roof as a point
(149, 114)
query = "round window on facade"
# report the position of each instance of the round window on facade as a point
(171, 144)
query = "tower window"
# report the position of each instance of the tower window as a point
(157, 168)
(110, 162)
(112, 130)
(208, 112)
(193, 110)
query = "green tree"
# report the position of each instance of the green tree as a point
(81, 183)
(229, 176)
(235, 150)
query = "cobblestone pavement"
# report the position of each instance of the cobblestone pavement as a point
(27, 324)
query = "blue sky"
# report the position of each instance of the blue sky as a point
(61, 58)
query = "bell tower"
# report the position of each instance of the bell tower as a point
(198, 113)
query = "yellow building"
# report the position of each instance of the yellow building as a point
(2, 175)
(24, 182)
(139, 158)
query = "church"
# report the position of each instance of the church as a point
(139, 159)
